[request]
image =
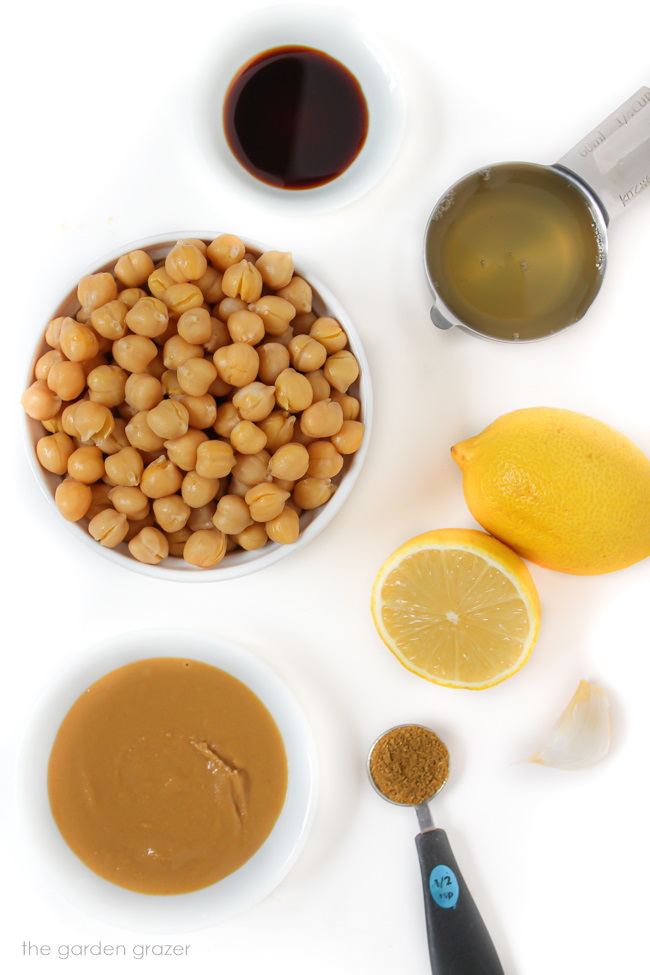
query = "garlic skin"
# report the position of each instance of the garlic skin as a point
(583, 732)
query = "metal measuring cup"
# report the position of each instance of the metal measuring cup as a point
(456, 933)
(606, 171)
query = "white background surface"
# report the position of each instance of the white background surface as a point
(97, 106)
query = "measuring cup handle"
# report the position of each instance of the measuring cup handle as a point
(459, 943)
(614, 159)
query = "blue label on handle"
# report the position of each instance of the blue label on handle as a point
(443, 886)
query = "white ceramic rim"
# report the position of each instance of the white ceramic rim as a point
(60, 868)
(237, 563)
(335, 32)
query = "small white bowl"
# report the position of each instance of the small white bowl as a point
(60, 868)
(238, 562)
(336, 33)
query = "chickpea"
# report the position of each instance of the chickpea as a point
(53, 332)
(289, 462)
(341, 369)
(171, 512)
(130, 296)
(185, 262)
(135, 527)
(109, 527)
(116, 440)
(349, 404)
(210, 285)
(133, 269)
(242, 280)
(45, 363)
(183, 450)
(311, 492)
(250, 469)
(298, 292)
(134, 352)
(214, 459)
(219, 335)
(73, 499)
(125, 467)
(141, 390)
(78, 342)
(95, 290)
(67, 380)
(278, 427)
(265, 501)
(285, 528)
(303, 322)
(231, 515)
(67, 419)
(86, 464)
(107, 385)
(177, 540)
(349, 437)
(156, 367)
(93, 421)
(254, 401)
(141, 435)
(197, 491)
(226, 419)
(195, 326)
(276, 268)
(322, 419)
(171, 386)
(252, 538)
(130, 501)
(100, 498)
(160, 478)
(195, 376)
(149, 546)
(159, 281)
(237, 488)
(237, 364)
(205, 548)
(329, 333)
(276, 313)
(202, 410)
(306, 353)
(170, 419)
(109, 320)
(54, 424)
(247, 438)
(180, 298)
(201, 518)
(228, 306)
(245, 326)
(177, 350)
(149, 317)
(53, 452)
(321, 389)
(274, 358)
(292, 391)
(225, 250)
(325, 461)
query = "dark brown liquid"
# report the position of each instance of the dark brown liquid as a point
(295, 118)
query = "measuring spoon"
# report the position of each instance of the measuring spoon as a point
(459, 943)
(517, 251)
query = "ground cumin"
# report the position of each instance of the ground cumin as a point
(409, 764)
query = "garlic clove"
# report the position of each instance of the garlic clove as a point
(582, 734)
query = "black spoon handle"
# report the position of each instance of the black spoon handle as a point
(459, 943)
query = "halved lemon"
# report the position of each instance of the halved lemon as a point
(457, 607)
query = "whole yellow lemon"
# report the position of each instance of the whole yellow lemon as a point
(562, 489)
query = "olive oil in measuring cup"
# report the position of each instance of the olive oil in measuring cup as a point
(515, 250)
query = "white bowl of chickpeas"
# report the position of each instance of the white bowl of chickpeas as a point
(197, 407)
